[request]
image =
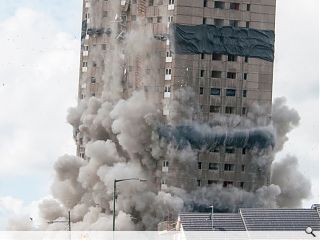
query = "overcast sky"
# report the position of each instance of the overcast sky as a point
(40, 47)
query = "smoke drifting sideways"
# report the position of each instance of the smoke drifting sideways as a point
(124, 137)
(203, 137)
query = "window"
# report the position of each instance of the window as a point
(216, 74)
(168, 71)
(229, 110)
(170, 19)
(199, 183)
(169, 54)
(216, 150)
(202, 55)
(218, 22)
(93, 80)
(234, 23)
(105, 14)
(213, 166)
(247, 24)
(163, 181)
(227, 184)
(231, 75)
(230, 92)
(165, 163)
(242, 185)
(230, 150)
(167, 89)
(244, 93)
(134, 1)
(159, 19)
(244, 111)
(150, 20)
(246, 59)
(232, 58)
(171, 2)
(214, 109)
(215, 91)
(228, 167)
(201, 73)
(86, 48)
(235, 6)
(204, 21)
(85, 64)
(150, 2)
(210, 182)
(244, 150)
(104, 47)
(219, 4)
(201, 91)
(133, 17)
(217, 57)
(243, 168)
(199, 165)
(205, 3)
(245, 76)
(93, 94)
(248, 7)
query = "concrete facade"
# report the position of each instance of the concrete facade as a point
(248, 81)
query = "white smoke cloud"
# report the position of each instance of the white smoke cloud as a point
(294, 185)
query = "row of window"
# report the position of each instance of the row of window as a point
(222, 5)
(227, 110)
(227, 167)
(218, 74)
(224, 183)
(218, 57)
(151, 2)
(229, 92)
(214, 74)
(216, 4)
(221, 22)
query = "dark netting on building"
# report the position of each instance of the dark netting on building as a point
(222, 40)
(201, 137)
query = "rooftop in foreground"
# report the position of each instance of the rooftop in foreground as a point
(253, 219)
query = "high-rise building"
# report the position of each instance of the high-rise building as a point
(225, 82)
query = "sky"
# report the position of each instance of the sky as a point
(39, 69)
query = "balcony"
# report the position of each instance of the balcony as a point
(87, 5)
(168, 59)
(164, 186)
(84, 69)
(171, 7)
(165, 169)
(167, 77)
(85, 53)
(167, 95)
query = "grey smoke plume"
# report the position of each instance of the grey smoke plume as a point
(120, 131)
(294, 185)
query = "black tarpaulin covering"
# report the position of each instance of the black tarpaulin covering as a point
(222, 40)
